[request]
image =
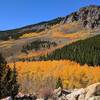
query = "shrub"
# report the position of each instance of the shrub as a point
(45, 93)
(59, 83)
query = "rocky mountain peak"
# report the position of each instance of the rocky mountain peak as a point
(88, 16)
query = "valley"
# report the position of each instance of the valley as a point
(60, 34)
(60, 53)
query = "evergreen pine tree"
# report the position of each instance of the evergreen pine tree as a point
(59, 83)
(8, 80)
(14, 84)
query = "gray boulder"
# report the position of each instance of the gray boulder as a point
(92, 90)
(94, 98)
(57, 92)
(76, 94)
(7, 98)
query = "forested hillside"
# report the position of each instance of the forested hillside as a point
(83, 51)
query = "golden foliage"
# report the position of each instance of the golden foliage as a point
(41, 73)
(32, 54)
(65, 31)
(32, 34)
(75, 35)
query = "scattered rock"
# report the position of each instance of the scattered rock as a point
(22, 96)
(7, 98)
(40, 99)
(57, 92)
(81, 97)
(94, 98)
(65, 92)
(93, 90)
(76, 94)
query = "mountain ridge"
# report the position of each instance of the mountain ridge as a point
(88, 17)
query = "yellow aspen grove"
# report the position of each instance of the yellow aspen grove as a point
(45, 73)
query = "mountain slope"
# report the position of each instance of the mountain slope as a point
(87, 16)
(81, 24)
(16, 33)
(84, 52)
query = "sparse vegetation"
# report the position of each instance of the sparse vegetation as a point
(17, 33)
(39, 45)
(59, 83)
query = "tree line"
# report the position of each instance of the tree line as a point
(83, 51)
(38, 45)
(17, 33)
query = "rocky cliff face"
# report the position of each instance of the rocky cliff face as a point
(89, 16)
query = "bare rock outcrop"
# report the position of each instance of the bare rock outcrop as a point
(88, 16)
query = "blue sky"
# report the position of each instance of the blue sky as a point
(18, 13)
